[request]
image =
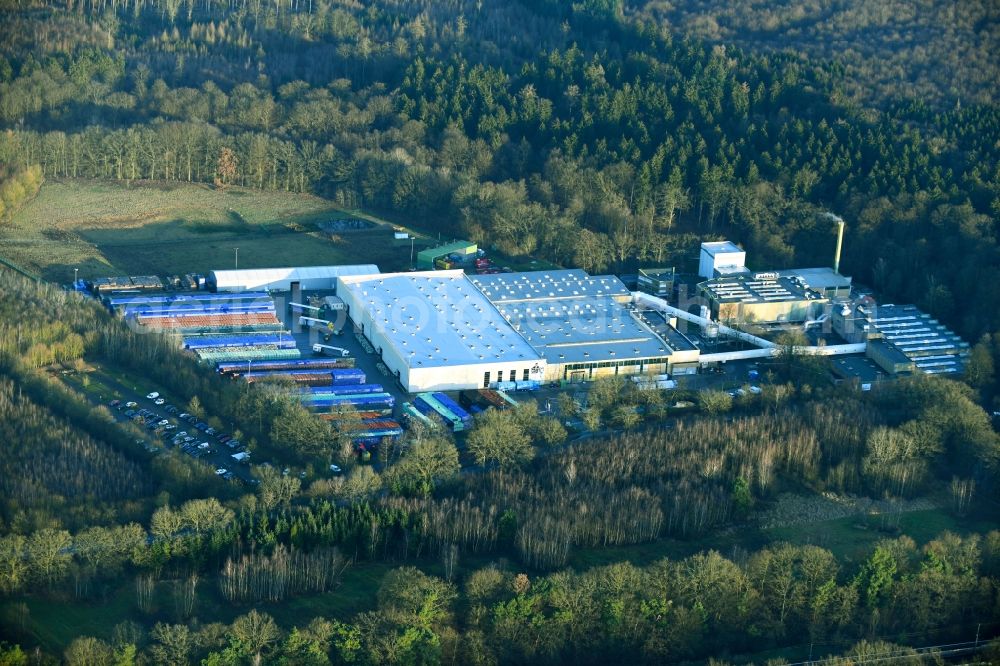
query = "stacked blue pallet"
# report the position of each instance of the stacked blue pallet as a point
(126, 301)
(338, 377)
(341, 390)
(277, 341)
(301, 364)
(153, 310)
(361, 401)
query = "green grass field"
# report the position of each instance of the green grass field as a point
(115, 229)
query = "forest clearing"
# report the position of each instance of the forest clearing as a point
(110, 228)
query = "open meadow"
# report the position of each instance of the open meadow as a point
(117, 229)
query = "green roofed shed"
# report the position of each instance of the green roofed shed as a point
(426, 258)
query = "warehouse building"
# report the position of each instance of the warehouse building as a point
(436, 331)
(282, 279)
(582, 325)
(464, 251)
(761, 298)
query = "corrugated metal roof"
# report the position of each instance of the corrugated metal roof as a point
(462, 247)
(437, 319)
(257, 276)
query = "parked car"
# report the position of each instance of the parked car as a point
(209, 431)
(114, 403)
(335, 469)
(170, 409)
(183, 415)
(224, 438)
(201, 425)
(162, 422)
(159, 401)
(130, 413)
(131, 404)
(220, 471)
(152, 396)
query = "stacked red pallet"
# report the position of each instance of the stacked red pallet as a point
(216, 320)
(360, 415)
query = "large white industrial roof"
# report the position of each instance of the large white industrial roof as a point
(261, 276)
(539, 286)
(437, 318)
(571, 317)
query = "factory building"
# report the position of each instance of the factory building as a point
(901, 339)
(583, 326)
(281, 279)
(463, 252)
(657, 281)
(436, 331)
(825, 280)
(721, 258)
(761, 298)
(444, 330)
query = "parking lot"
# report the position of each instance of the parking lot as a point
(169, 427)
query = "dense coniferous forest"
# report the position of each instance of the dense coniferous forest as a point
(601, 134)
(575, 133)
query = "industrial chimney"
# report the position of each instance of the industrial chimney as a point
(840, 239)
